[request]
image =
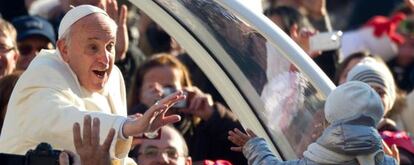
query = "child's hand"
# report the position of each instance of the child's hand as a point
(239, 138)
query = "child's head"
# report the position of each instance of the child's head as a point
(378, 76)
(351, 100)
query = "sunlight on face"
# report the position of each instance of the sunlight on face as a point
(91, 50)
(156, 79)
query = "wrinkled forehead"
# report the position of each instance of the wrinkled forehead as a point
(97, 26)
(96, 20)
(167, 140)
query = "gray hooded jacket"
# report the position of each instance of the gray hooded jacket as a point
(345, 143)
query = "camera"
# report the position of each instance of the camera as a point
(326, 41)
(44, 154)
(181, 104)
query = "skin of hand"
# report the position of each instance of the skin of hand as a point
(301, 37)
(88, 148)
(316, 8)
(64, 158)
(410, 3)
(154, 117)
(199, 104)
(239, 138)
(393, 151)
(153, 93)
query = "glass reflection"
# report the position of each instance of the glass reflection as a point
(293, 108)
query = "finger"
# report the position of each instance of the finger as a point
(231, 133)
(251, 133)
(111, 10)
(242, 135)
(199, 102)
(170, 120)
(138, 115)
(95, 132)
(173, 98)
(108, 140)
(87, 130)
(75, 157)
(194, 103)
(387, 149)
(232, 139)
(77, 140)
(63, 158)
(123, 15)
(236, 149)
(395, 150)
(115, 7)
(235, 140)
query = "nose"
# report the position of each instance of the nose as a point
(105, 58)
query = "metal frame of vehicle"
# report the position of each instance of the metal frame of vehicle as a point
(218, 74)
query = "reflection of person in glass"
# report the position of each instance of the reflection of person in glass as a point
(285, 92)
(351, 138)
(204, 122)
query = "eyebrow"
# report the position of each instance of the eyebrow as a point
(94, 38)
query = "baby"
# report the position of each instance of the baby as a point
(353, 110)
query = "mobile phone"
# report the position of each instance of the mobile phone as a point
(181, 104)
(325, 41)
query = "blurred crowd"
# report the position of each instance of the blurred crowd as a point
(377, 48)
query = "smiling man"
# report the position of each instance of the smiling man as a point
(8, 51)
(61, 86)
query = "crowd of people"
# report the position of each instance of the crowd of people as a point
(103, 82)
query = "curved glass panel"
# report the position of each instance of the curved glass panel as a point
(285, 102)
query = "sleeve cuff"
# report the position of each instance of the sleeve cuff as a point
(121, 126)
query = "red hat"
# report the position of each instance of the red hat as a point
(387, 26)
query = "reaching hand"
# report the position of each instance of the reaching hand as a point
(154, 117)
(120, 17)
(90, 152)
(88, 147)
(199, 103)
(393, 151)
(301, 37)
(239, 138)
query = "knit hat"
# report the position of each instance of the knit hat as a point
(353, 99)
(377, 74)
(76, 14)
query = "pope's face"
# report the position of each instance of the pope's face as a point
(90, 52)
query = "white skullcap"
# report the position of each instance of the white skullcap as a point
(374, 73)
(76, 14)
(353, 99)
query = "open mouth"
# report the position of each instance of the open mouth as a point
(100, 74)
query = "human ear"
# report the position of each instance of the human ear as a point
(63, 49)
(188, 161)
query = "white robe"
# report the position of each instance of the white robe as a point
(48, 99)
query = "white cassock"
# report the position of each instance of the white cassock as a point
(47, 100)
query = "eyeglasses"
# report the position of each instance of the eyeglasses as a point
(4, 49)
(27, 49)
(153, 152)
